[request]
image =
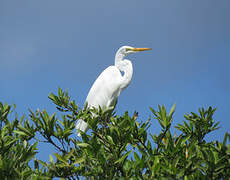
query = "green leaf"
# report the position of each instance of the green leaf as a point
(82, 144)
(110, 139)
(20, 133)
(51, 159)
(172, 110)
(136, 156)
(61, 158)
(79, 160)
(10, 143)
(123, 157)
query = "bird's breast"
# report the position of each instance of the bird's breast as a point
(105, 89)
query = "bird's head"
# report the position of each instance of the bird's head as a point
(125, 50)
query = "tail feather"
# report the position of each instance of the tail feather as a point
(81, 125)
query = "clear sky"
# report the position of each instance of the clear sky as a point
(49, 43)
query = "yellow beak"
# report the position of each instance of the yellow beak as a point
(141, 49)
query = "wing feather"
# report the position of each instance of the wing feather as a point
(105, 89)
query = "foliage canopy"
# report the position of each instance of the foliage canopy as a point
(117, 147)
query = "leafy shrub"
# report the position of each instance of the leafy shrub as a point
(117, 147)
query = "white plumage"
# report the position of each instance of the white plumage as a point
(108, 86)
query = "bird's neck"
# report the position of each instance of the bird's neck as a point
(118, 58)
(127, 68)
(124, 66)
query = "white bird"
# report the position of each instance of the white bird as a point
(110, 83)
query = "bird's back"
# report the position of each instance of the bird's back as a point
(105, 89)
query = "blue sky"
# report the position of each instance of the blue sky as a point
(46, 44)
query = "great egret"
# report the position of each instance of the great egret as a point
(110, 83)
